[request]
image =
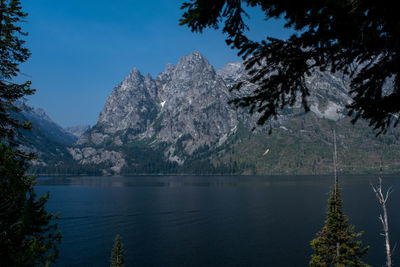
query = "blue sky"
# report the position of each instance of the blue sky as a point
(82, 49)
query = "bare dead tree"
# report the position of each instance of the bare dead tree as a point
(383, 198)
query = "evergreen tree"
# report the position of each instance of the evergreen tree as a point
(27, 235)
(117, 253)
(337, 244)
(12, 53)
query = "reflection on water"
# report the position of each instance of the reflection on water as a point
(207, 220)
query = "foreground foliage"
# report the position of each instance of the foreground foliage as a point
(28, 237)
(337, 244)
(12, 53)
(357, 38)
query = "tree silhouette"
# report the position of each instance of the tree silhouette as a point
(12, 53)
(28, 236)
(359, 39)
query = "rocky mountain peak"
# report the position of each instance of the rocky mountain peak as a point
(130, 104)
(185, 108)
(193, 66)
(191, 71)
(134, 78)
(193, 57)
(184, 112)
(134, 72)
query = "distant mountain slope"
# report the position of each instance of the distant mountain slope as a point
(77, 130)
(46, 139)
(181, 122)
(52, 130)
(303, 145)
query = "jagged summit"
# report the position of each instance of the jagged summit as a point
(193, 57)
(133, 74)
(183, 114)
(129, 104)
(185, 108)
(195, 61)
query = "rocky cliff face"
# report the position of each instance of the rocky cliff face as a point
(132, 105)
(194, 108)
(328, 92)
(185, 108)
(182, 116)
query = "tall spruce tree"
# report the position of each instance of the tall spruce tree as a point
(28, 235)
(117, 253)
(12, 53)
(337, 244)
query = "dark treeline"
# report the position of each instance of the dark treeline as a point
(204, 167)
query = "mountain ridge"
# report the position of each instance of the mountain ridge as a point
(181, 122)
(182, 119)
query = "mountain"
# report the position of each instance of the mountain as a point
(181, 122)
(77, 130)
(50, 129)
(46, 139)
(183, 111)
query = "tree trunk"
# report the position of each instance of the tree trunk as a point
(382, 198)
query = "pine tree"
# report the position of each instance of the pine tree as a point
(117, 253)
(27, 235)
(337, 244)
(12, 53)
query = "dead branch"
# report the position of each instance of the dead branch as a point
(382, 199)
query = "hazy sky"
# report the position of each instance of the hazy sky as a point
(82, 49)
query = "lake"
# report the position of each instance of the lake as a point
(209, 220)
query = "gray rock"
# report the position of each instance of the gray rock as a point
(130, 105)
(186, 107)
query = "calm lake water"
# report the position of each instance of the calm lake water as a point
(209, 220)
